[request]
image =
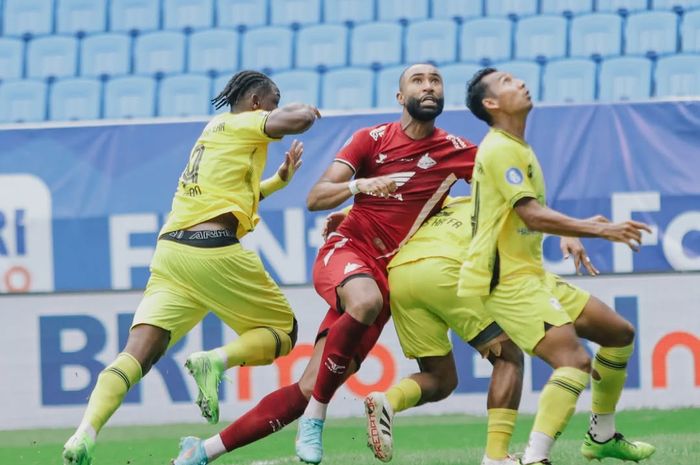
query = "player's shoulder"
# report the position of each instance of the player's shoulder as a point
(368, 134)
(457, 141)
(496, 142)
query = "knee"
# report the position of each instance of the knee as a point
(582, 362)
(365, 309)
(626, 335)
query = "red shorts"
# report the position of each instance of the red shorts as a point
(337, 262)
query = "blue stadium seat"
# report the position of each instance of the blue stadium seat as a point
(511, 7)
(387, 86)
(286, 12)
(298, 86)
(267, 47)
(651, 31)
(181, 14)
(233, 13)
(22, 101)
(444, 9)
(394, 10)
(105, 54)
(52, 56)
(569, 81)
(612, 6)
(433, 40)
(140, 15)
(678, 76)
(184, 95)
(323, 44)
(27, 17)
(690, 32)
(625, 78)
(80, 16)
(347, 89)
(596, 34)
(159, 52)
(528, 71)
(376, 43)
(540, 36)
(11, 58)
(357, 11)
(670, 4)
(213, 50)
(75, 99)
(557, 7)
(486, 38)
(455, 78)
(130, 97)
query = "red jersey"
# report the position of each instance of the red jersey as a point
(424, 171)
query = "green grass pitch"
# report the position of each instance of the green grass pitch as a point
(438, 440)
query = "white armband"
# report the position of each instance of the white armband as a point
(353, 187)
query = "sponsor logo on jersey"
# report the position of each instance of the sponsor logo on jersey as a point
(426, 162)
(456, 141)
(381, 158)
(377, 132)
(514, 176)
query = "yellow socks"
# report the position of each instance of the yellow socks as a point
(500, 430)
(404, 395)
(558, 400)
(112, 385)
(259, 346)
(611, 365)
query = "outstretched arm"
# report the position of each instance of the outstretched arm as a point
(294, 118)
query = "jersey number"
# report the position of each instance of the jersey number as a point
(191, 173)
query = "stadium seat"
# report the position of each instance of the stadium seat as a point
(159, 52)
(376, 43)
(52, 56)
(678, 76)
(455, 78)
(690, 32)
(105, 54)
(130, 97)
(213, 50)
(184, 95)
(387, 86)
(557, 7)
(612, 6)
(596, 34)
(347, 89)
(651, 31)
(486, 38)
(27, 17)
(234, 13)
(671, 4)
(394, 10)
(11, 57)
(625, 78)
(298, 86)
(267, 47)
(528, 71)
(445, 9)
(540, 37)
(181, 14)
(569, 81)
(357, 11)
(286, 12)
(139, 15)
(22, 101)
(510, 7)
(75, 99)
(433, 40)
(81, 16)
(322, 45)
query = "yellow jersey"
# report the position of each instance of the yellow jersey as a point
(446, 234)
(506, 171)
(223, 173)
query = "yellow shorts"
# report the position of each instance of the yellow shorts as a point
(523, 306)
(187, 282)
(424, 305)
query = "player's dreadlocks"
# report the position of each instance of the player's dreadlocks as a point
(239, 84)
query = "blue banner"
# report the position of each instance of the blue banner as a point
(81, 205)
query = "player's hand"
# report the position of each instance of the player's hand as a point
(332, 222)
(380, 186)
(628, 232)
(292, 161)
(572, 247)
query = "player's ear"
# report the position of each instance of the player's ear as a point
(490, 103)
(400, 98)
(255, 101)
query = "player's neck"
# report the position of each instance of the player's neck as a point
(416, 129)
(515, 126)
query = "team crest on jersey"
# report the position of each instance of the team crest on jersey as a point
(456, 141)
(514, 176)
(381, 158)
(377, 132)
(426, 162)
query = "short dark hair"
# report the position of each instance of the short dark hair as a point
(239, 84)
(405, 70)
(476, 91)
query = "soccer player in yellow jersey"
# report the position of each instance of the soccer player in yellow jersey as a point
(508, 216)
(199, 266)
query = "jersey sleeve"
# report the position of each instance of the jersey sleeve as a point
(356, 150)
(252, 125)
(509, 172)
